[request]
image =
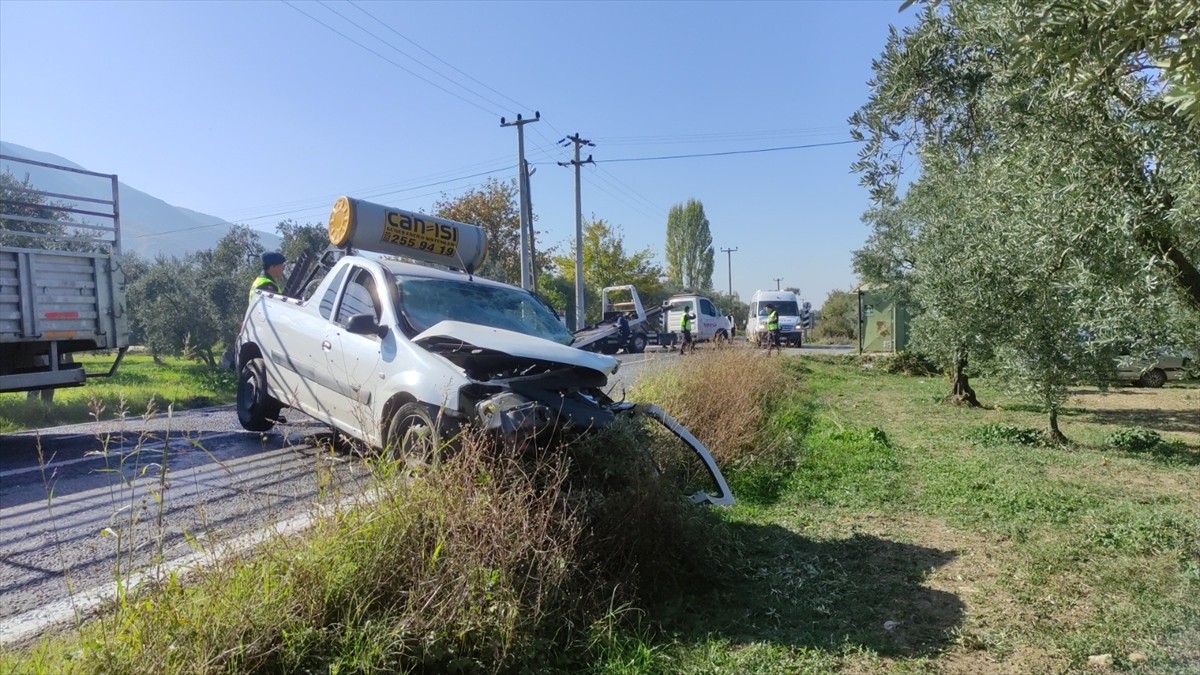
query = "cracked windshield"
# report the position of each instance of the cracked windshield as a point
(425, 302)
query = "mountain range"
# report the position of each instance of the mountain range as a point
(149, 225)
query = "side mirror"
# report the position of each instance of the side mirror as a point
(365, 324)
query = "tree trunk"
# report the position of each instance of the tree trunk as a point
(1053, 434)
(961, 392)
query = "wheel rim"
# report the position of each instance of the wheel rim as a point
(417, 443)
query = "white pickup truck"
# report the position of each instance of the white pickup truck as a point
(399, 355)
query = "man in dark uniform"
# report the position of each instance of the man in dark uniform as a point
(623, 332)
(271, 279)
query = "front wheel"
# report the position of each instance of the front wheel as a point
(413, 437)
(257, 410)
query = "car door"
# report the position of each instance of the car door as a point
(355, 361)
(709, 320)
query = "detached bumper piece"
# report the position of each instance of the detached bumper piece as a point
(723, 496)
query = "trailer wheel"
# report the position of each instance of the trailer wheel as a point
(257, 410)
(637, 344)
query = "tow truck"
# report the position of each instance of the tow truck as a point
(605, 338)
(399, 355)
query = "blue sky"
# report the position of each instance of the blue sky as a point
(254, 112)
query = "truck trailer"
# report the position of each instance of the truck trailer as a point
(62, 288)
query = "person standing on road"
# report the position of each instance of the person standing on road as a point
(773, 330)
(732, 325)
(623, 332)
(685, 329)
(271, 279)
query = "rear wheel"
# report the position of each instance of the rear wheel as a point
(257, 410)
(1154, 378)
(637, 344)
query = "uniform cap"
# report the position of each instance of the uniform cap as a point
(272, 258)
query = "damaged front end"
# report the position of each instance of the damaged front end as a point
(526, 399)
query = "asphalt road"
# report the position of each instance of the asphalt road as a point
(80, 504)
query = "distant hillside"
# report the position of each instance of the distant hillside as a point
(149, 226)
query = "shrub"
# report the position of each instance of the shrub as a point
(1136, 439)
(991, 435)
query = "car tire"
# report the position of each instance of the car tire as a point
(257, 410)
(637, 344)
(1154, 378)
(722, 336)
(413, 437)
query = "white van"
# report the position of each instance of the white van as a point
(787, 306)
(710, 324)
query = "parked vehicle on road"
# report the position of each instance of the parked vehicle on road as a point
(787, 307)
(710, 323)
(62, 288)
(605, 338)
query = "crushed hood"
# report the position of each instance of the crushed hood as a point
(514, 344)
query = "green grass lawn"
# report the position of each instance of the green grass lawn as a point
(140, 385)
(902, 545)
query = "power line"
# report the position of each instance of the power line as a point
(645, 199)
(440, 60)
(301, 210)
(723, 136)
(730, 152)
(401, 67)
(396, 49)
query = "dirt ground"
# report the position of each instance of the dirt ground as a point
(1173, 411)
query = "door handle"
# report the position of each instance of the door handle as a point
(325, 346)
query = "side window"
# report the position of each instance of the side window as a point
(360, 298)
(707, 307)
(326, 306)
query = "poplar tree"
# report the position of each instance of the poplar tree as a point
(689, 250)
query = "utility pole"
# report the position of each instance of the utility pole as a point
(729, 263)
(777, 280)
(525, 210)
(533, 271)
(578, 223)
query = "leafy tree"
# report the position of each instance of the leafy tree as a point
(1048, 208)
(606, 263)
(14, 201)
(1108, 41)
(838, 317)
(226, 272)
(495, 208)
(172, 312)
(689, 249)
(300, 239)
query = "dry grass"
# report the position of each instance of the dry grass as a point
(723, 397)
